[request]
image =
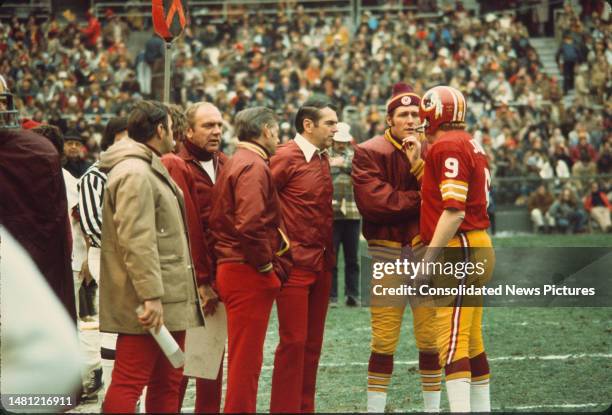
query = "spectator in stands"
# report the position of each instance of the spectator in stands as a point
(599, 208)
(92, 32)
(569, 54)
(583, 148)
(539, 204)
(471, 54)
(584, 167)
(568, 214)
(604, 161)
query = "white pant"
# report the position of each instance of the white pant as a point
(538, 218)
(601, 215)
(89, 337)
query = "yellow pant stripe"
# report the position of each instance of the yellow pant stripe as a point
(458, 375)
(479, 378)
(378, 382)
(379, 375)
(384, 390)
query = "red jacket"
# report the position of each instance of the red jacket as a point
(246, 218)
(305, 190)
(183, 178)
(33, 207)
(386, 193)
(203, 186)
(588, 201)
(92, 31)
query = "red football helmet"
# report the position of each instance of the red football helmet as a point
(441, 105)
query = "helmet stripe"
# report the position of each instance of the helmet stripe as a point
(462, 106)
(455, 104)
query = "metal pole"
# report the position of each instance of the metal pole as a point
(167, 59)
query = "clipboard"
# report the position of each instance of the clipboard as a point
(204, 346)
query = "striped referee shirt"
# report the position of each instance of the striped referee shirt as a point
(91, 193)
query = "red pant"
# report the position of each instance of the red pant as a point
(302, 307)
(139, 362)
(248, 297)
(208, 394)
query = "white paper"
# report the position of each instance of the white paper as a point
(204, 346)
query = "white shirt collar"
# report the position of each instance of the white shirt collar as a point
(307, 147)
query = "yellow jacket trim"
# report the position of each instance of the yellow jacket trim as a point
(382, 242)
(252, 147)
(285, 245)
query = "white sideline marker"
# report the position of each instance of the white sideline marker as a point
(492, 359)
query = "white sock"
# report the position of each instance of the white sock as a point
(431, 401)
(377, 401)
(458, 391)
(480, 398)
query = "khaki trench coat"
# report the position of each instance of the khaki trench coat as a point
(145, 246)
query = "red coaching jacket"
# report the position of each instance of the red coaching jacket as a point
(305, 188)
(197, 186)
(386, 192)
(246, 218)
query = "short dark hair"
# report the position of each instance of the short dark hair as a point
(54, 134)
(144, 119)
(311, 110)
(249, 123)
(115, 126)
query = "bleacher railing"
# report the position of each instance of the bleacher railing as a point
(515, 190)
(25, 8)
(352, 9)
(227, 8)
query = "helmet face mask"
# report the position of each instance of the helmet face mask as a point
(442, 105)
(9, 116)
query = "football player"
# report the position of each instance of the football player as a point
(455, 192)
(386, 186)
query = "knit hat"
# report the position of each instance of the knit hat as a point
(402, 95)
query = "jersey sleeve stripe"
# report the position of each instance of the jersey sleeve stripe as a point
(457, 187)
(453, 195)
(457, 182)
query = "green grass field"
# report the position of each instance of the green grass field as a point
(542, 359)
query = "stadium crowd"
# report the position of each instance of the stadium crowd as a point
(77, 75)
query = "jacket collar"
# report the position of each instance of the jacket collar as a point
(307, 147)
(158, 167)
(257, 149)
(397, 143)
(390, 138)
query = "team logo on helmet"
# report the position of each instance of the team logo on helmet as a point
(441, 105)
(431, 102)
(405, 100)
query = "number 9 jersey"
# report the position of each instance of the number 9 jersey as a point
(456, 176)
